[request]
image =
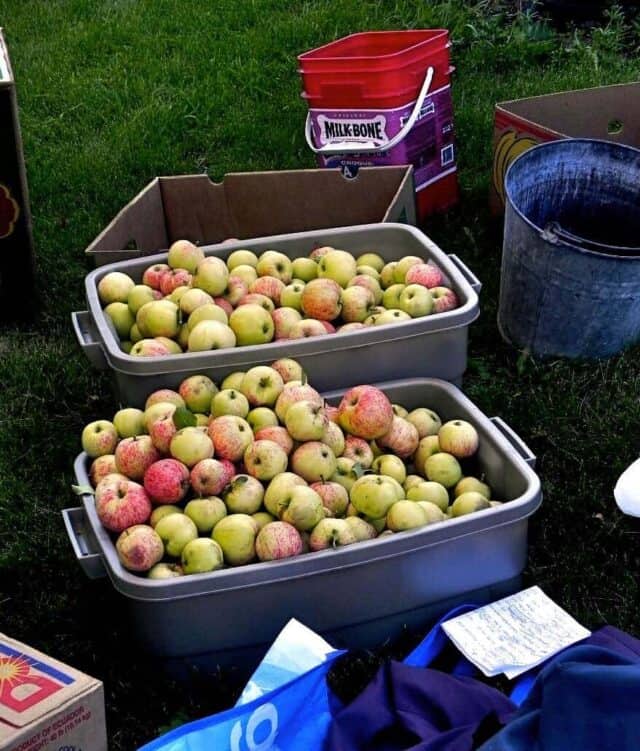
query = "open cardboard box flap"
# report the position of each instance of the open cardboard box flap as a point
(253, 204)
(606, 112)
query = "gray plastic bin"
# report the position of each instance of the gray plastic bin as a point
(358, 595)
(434, 346)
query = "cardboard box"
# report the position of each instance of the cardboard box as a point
(16, 241)
(253, 204)
(610, 113)
(46, 705)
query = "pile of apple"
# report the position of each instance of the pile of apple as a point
(263, 468)
(196, 304)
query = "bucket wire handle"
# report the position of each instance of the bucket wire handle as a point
(369, 147)
(555, 232)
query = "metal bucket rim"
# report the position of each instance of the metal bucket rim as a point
(540, 230)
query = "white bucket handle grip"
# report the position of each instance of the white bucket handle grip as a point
(368, 147)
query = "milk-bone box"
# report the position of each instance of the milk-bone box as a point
(46, 705)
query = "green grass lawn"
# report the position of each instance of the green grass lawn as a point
(114, 92)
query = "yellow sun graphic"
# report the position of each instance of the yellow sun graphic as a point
(12, 669)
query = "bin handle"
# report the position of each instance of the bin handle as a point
(475, 283)
(84, 332)
(369, 147)
(87, 556)
(514, 439)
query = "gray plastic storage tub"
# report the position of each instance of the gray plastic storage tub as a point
(357, 595)
(434, 346)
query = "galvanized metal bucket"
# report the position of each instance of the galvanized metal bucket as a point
(570, 282)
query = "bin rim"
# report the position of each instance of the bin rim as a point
(555, 144)
(327, 561)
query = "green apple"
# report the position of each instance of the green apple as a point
(391, 466)
(391, 316)
(357, 302)
(443, 468)
(251, 324)
(236, 535)
(361, 529)
(262, 518)
(126, 345)
(211, 335)
(373, 496)
(177, 294)
(411, 482)
(416, 300)
(242, 257)
(233, 380)
(303, 509)
(262, 386)
(426, 421)
(134, 334)
(369, 271)
(229, 402)
(337, 265)
(306, 421)
(391, 296)
(433, 511)
(165, 571)
(193, 299)
(129, 422)
(183, 336)
(206, 512)
(273, 263)
(404, 515)
(160, 512)
(278, 490)
(334, 438)
(173, 347)
(467, 503)
(197, 392)
(201, 556)
(245, 272)
(371, 259)
(212, 276)
(121, 318)
(244, 494)
(291, 296)
(115, 287)
(368, 282)
(345, 473)
(190, 446)
(265, 459)
(470, 484)
(262, 417)
(403, 265)
(99, 438)
(304, 269)
(138, 296)
(207, 312)
(159, 318)
(387, 274)
(157, 411)
(331, 533)
(428, 446)
(433, 492)
(458, 437)
(399, 410)
(175, 531)
(184, 255)
(314, 461)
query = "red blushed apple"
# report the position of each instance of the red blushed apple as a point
(135, 455)
(332, 413)
(307, 327)
(236, 290)
(365, 412)
(278, 435)
(402, 439)
(321, 299)
(149, 348)
(139, 548)
(350, 327)
(161, 433)
(283, 320)
(318, 253)
(444, 299)
(278, 540)
(253, 298)
(329, 327)
(295, 391)
(289, 369)
(167, 481)
(268, 286)
(173, 279)
(211, 476)
(359, 450)
(335, 497)
(231, 436)
(124, 504)
(101, 467)
(221, 302)
(425, 274)
(459, 438)
(153, 275)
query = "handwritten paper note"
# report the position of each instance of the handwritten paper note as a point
(515, 634)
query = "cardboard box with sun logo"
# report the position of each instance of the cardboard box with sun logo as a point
(16, 241)
(611, 113)
(46, 705)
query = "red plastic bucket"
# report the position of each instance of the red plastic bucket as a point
(384, 97)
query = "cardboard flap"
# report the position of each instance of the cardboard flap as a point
(139, 226)
(6, 74)
(32, 684)
(607, 112)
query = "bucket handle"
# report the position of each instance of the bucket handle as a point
(555, 232)
(368, 147)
